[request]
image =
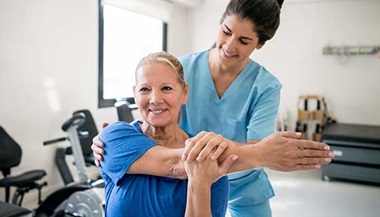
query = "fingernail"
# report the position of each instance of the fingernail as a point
(327, 160)
(234, 158)
(331, 154)
(213, 157)
(298, 133)
(199, 159)
(326, 147)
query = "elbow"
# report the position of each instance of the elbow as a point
(179, 174)
(177, 170)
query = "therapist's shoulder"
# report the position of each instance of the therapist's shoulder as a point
(265, 77)
(191, 57)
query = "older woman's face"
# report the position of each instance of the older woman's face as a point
(159, 94)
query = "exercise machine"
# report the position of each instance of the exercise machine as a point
(10, 156)
(75, 199)
(86, 130)
(124, 110)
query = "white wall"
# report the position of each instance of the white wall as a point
(349, 84)
(205, 20)
(48, 69)
(48, 66)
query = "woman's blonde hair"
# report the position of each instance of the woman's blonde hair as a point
(165, 58)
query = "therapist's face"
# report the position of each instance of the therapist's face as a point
(159, 94)
(236, 40)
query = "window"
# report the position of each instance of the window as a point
(125, 37)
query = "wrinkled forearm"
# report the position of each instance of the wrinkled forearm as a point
(249, 157)
(160, 161)
(198, 199)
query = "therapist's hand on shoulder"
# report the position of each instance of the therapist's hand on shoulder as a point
(97, 147)
(284, 151)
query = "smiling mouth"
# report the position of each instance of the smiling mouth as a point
(158, 111)
(227, 55)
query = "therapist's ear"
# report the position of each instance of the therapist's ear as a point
(260, 45)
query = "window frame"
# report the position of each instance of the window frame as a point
(105, 103)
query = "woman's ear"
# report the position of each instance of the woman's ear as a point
(185, 94)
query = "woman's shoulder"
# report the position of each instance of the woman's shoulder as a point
(120, 127)
(117, 125)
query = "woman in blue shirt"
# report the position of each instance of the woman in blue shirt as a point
(154, 146)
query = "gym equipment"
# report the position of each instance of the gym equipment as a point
(357, 150)
(124, 111)
(85, 132)
(10, 210)
(10, 156)
(75, 199)
(312, 117)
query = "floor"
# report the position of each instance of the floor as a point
(304, 194)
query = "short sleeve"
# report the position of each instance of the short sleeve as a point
(262, 121)
(123, 145)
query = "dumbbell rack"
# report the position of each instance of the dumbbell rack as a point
(311, 117)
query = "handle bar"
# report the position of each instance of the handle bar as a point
(75, 120)
(55, 141)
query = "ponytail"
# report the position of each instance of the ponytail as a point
(280, 2)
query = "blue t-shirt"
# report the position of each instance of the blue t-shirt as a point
(246, 111)
(145, 195)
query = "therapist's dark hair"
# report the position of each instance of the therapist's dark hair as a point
(264, 14)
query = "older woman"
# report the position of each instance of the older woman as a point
(154, 146)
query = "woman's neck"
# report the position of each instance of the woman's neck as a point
(169, 136)
(223, 76)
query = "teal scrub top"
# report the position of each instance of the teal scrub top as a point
(246, 111)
